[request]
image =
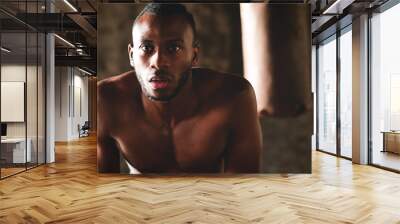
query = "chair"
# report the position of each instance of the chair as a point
(84, 130)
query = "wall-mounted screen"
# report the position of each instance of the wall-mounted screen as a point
(12, 101)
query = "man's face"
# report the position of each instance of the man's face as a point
(162, 54)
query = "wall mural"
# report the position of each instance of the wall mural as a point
(173, 96)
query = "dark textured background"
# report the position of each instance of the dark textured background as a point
(218, 28)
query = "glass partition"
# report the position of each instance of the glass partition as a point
(13, 109)
(22, 88)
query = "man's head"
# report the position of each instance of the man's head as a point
(163, 50)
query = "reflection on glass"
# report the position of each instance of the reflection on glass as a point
(327, 96)
(385, 86)
(345, 94)
(31, 101)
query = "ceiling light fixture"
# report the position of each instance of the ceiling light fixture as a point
(70, 5)
(337, 7)
(65, 41)
(331, 7)
(84, 71)
(5, 50)
(80, 51)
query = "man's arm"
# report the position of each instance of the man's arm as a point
(245, 140)
(107, 150)
(107, 155)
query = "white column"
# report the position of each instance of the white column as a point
(360, 90)
(50, 92)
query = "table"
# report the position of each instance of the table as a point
(391, 141)
(13, 150)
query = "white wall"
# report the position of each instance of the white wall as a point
(71, 94)
(81, 96)
(61, 103)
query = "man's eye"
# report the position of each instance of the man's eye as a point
(174, 48)
(147, 48)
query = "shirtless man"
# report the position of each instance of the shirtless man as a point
(167, 116)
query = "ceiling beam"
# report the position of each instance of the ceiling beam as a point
(83, 61)
(84, 24)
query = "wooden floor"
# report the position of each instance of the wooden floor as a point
(71, 191)
(10, 171)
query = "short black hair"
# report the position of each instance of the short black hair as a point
(160, 9)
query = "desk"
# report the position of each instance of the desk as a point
(13, 150)
(391, 141)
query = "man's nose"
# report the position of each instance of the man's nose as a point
(159, 60)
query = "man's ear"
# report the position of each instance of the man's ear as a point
(195, 59)
(130, 54)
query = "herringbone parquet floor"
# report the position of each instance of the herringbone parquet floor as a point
(71, 191)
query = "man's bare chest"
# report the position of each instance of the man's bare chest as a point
(194, 145)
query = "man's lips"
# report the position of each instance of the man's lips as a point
(159, 83)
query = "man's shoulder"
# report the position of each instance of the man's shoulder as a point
(218, 83)
(118, 83)
(232, 93)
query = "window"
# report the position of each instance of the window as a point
(385, 88)
(334, 108)
(345, 92)
(326, 93)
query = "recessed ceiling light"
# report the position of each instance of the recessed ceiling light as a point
(65, 41)
(5, 50)
(70, 5)
(337, 7)
(84, 71)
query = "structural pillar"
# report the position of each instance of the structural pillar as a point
(50, 92)
(360, 90)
